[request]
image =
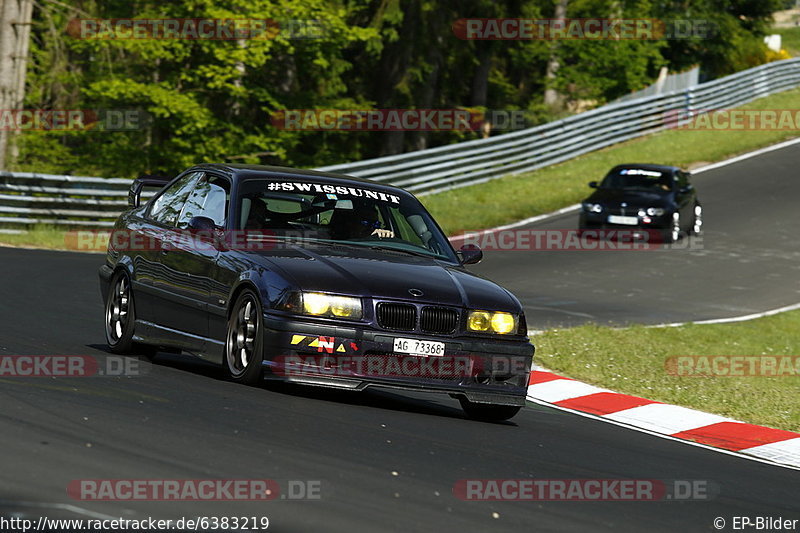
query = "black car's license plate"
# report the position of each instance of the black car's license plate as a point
(418, 347)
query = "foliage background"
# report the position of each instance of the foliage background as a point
(212, 100)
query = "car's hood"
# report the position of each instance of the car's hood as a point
(633, 197)
(378, 274)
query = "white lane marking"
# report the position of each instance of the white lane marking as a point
(740, 455)
(562, 389)
(785, 451)
(666, 418)
(747, 155)
(740, 318)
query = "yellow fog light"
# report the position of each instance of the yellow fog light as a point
(345, 307)
(479, 321)
(315, 303)
(503, 323)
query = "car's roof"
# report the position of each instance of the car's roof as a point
(648, 166)
(249, 172)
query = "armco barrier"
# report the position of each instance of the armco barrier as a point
(29, 198)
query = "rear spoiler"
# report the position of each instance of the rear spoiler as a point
(135, 192)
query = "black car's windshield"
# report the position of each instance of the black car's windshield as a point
(637, 178)
(338, 214)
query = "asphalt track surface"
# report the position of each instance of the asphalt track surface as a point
(389, 461)
(747, 261)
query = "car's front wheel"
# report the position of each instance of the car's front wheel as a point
(488, 412)
(243, 345)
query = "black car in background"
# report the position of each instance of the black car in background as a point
(651, 197)
(314, 278)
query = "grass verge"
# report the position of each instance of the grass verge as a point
(632, 361)
(513, 198)
(39, 236)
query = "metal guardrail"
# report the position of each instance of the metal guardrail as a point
(30, 198)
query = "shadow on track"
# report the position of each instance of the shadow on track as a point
(376, 398)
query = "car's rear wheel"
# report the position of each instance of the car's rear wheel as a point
(697, 221)
(120, 318)
(244, 344)
(488, 412)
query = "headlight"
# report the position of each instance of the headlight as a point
(592, 208)
(321, 304)
(655, 211)
(479, 321)
(485, 321)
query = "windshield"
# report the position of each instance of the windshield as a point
(352, 215)
(637, 178)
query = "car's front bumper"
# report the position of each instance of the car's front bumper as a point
(600, 221)
(355, 358)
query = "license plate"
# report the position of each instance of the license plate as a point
(616, 219)
(417, 347)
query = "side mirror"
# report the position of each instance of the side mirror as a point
(201, 224)
(685, 189)
(593, 184)
(470, 254)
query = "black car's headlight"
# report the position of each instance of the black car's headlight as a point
(492, 322)
(652, 211)
(592, 208)
(324, 304)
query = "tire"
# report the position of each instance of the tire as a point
(120, 319)
(697, 220)
(119, 314)
(244, 340)
(488, 412)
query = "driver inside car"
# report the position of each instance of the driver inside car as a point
(360, 222)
